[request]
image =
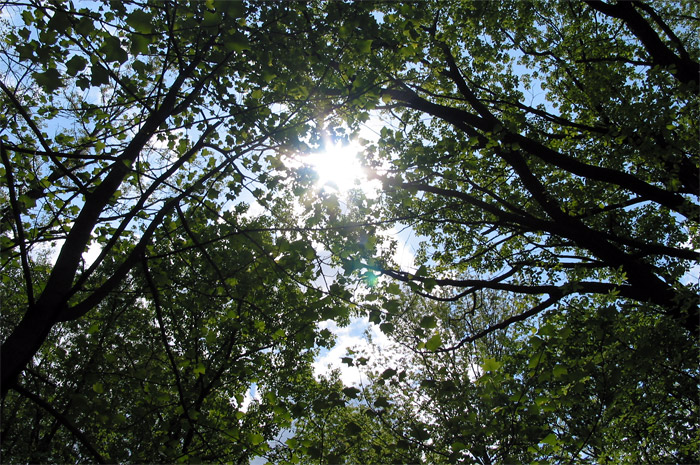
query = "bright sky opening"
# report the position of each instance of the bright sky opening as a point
(339, 168)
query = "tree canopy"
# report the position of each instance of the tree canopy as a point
(592, 191)
(546, 155)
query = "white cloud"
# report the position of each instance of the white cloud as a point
(92, 253)
(353, 336)
(406, 246)
(250, 396)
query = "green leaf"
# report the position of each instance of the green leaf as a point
(139, 44)
(75, 65)
(27, 201)
(429, 284)
(394, 289)
(200, 369)
(112, 51)
(364, 46)
(99, 75)
(256, 438)
(237, 43)
(211, 19)
(428, 322)
(268, 75)
(550, 439)
(534, 361)
(60, 22)
(27, 17)
(392, 306)
(98, 388)
(85, 26)
(491, 365)
(559, 371)
(50, 80)
(420, 433)
(232, 8)
(433, 343)
(141, 21)
(352, 429)
(421, 271)
(546, 330)
(26, 51)
(382, 402)
(387, 328)
(314, 452)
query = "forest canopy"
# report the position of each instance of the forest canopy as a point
(171, 266)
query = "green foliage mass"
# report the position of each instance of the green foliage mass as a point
(544, 153)
(583, 385)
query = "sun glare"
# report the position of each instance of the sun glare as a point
(338, 167)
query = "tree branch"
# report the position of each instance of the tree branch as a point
(683, 68)
(24, 257)
(471, 124)
(545, 304)
(79, 435)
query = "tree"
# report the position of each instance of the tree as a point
(589, 385)
(580, 202)
(114, 117)
(160, 369)
(144, 129)
(587, 187)
(338, 428)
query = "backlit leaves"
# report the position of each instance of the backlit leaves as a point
(50, 80)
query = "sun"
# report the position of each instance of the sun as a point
(338, 167)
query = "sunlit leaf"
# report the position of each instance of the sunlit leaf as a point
(433, 343)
